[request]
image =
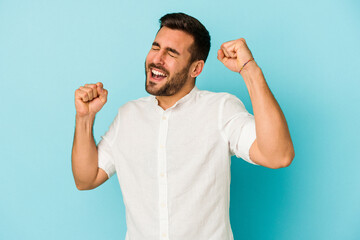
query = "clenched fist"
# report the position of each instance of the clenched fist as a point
(234, 54)
(89, 99)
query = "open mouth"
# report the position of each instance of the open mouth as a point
(157, 75)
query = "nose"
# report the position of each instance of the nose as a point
(159, 58)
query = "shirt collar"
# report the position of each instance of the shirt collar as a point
(187, 96)
(182, 100)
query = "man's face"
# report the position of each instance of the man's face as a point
(167, 64)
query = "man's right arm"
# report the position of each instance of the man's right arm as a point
(89, 99)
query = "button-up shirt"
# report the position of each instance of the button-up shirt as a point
(173, 165)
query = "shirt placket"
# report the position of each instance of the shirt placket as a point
(162, 173)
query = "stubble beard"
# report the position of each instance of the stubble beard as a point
(171, 87)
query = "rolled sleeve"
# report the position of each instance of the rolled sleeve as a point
(238, 127)
(106, 160)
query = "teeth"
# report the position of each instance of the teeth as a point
(157, 73)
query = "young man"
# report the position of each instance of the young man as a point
(171, 151)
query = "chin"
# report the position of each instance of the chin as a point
(151, 88)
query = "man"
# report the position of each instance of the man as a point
(171, 151)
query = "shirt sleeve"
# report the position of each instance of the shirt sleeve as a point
(238, 127)
(105, 148)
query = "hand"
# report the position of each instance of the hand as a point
(89, 99)
(234, 54)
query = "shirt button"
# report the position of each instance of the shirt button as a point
(163, 118)
(162, 174)
(163, 235)
(163, 205)
(161, 146)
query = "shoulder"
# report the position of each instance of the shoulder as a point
(137, 104)
(225, 103)
(218, 98)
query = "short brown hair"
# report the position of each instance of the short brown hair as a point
(181, 21)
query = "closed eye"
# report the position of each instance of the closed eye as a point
(155, 46)
(173, 52)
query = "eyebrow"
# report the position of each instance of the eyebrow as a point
(168, 48)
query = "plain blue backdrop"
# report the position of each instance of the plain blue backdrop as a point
(308, 50)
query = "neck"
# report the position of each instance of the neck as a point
(166, 102)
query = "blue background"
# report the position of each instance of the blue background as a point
(308, 50)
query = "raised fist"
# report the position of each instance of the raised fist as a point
(89, 99)
(234, 54)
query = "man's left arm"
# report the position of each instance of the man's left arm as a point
(273, 147)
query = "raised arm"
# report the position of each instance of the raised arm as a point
(89, 99)
(273, 147)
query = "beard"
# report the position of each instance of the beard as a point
(172, 85)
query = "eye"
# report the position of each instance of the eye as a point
(155, 48)
(171, 54)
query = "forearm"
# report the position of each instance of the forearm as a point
(272, 134)
(84, 153)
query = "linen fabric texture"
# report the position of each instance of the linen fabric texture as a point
(173, 166)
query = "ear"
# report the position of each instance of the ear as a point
(196, 68)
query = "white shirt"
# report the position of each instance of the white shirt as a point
(173, 166)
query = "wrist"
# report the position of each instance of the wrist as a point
(85, 121)
(85, 117)
(250, 68)
(253, 77)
